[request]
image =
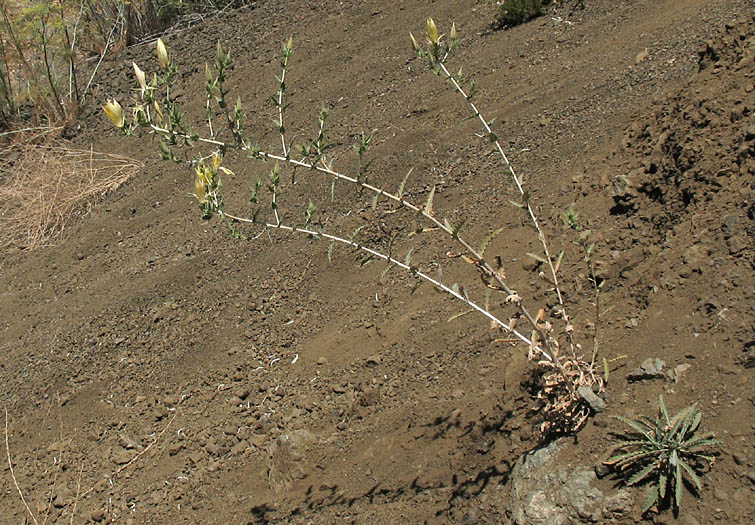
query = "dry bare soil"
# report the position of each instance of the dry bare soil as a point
(273, 386)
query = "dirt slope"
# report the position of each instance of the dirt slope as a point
(285, 388)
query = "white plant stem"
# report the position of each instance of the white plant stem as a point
(396, 262)
(518, 183)
(549, 350)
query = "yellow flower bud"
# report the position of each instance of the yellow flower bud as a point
(432, 31)
(216, 160)
(453, 32)
(141, 79)
(114, 112)
(162, 54)
(290, 43)
(158, 111)
(200, 190)
(415, 45)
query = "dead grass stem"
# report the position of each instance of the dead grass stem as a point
(45, 186)
(13, 475)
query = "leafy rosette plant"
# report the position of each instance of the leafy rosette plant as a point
(664, 453)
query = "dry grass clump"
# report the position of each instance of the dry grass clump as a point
(44, 186)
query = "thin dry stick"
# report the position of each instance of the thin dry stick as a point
(58, 463)
(135, 458)
(104, 52)
(13, 475)
(78, 491)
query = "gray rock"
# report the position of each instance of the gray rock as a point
(541, 492)
(651, 368)
(591, 398)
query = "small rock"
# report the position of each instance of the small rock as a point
(239, 448)
(591, 398)
(720, 494)
(170, 401)
(651, 368)
(739, 459)
(258, 440)
(369, 397)
(97, 515)
(738, 243)
(121, 456)
(62, 498)
(676, 374)
(322, 361)
(751, 476)
(529, 264)
(602, 470)
(241, 392)
(469, 518)
(600, 422)
(619, 504)
(175, 448)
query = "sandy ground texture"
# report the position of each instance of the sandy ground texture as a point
(155, 369)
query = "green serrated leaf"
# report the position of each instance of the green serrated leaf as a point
(663, 410)
(693, 476)
(695, 422)
(642, 474)
(486, 242)
(703, 441)
(662, 483)
(637, 425)
(651, 498)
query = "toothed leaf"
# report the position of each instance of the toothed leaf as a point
(692, 475)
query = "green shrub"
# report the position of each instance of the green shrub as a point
(515, 12)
